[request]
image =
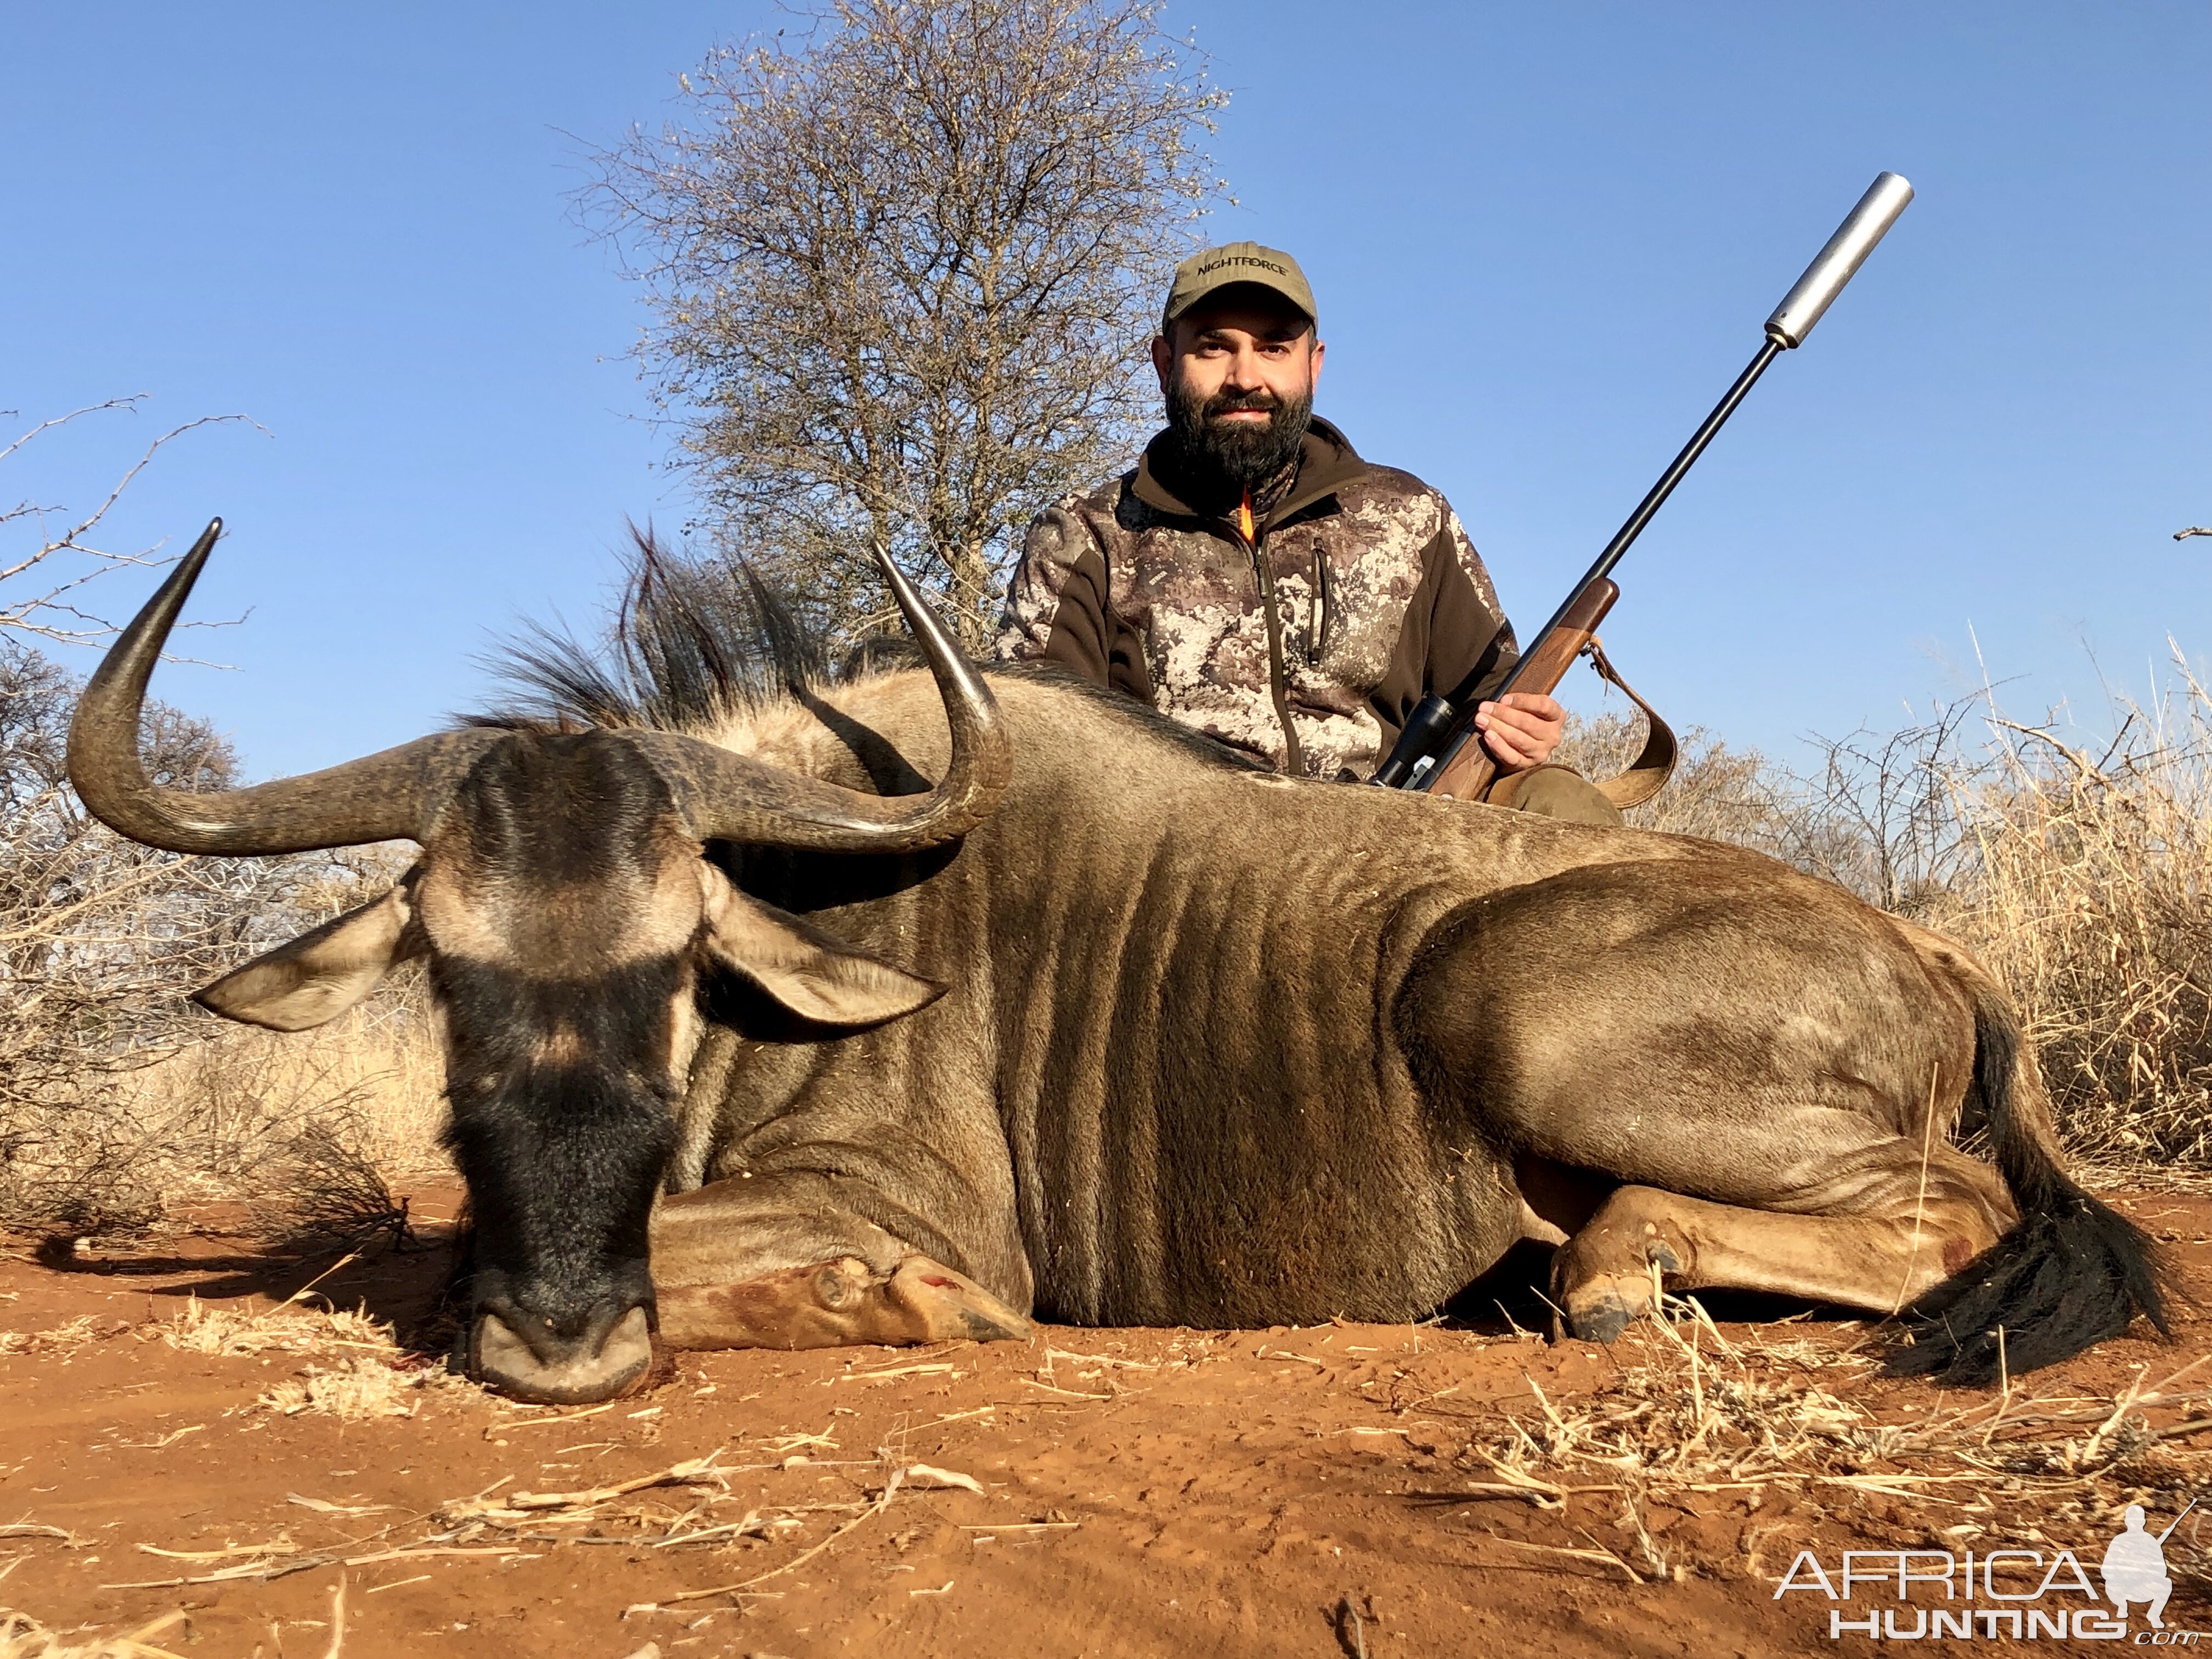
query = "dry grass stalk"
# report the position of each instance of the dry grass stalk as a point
(706, 1481)
(357, 1390)
(22, 1637)
(1685, 1414)
(518, 1507)
(298, 1326)
(891, 1484)
(338, 1620)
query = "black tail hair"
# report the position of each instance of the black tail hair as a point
(2072, 1273)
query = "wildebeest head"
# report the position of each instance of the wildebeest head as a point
(565, 909)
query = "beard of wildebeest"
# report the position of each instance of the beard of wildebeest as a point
(562, 994)
(562, 1154)
(1226, 457)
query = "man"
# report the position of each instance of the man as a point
(2134, 1568)
(1257, 580)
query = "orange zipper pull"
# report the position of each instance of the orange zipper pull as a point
(1244, 518)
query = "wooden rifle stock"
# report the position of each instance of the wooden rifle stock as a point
(1467, 771)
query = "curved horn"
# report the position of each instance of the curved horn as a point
(384, 797)
(733, 797)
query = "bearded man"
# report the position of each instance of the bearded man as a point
(1254, 579)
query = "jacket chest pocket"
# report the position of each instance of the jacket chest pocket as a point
(1304, 594)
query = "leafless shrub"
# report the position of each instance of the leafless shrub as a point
(331, 1198)
(98, 937)
(1719, 793)
(901, 271)
(114, 1091)
(1886, 814)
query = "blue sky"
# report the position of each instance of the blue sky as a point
(1544, 237)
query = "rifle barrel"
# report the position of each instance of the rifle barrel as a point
(2177, 1521)
(1442, 731)
(1624, 537)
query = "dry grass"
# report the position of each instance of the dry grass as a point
(371, 1375)
(1691, 1418)
(310, 1131)
(118, 1100)
(2091, 896)
(300, 1326)
(357, 1389)
(244, 1113)
(22, 1637)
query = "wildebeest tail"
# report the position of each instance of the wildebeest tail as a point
(2072, 1273)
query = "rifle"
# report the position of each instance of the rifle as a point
(1439, 749)
(2176, 1522)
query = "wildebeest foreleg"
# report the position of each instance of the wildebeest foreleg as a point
(1883, 1258)
(836, 1305)
(728, 1273)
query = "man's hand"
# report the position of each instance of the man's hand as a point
(1520, 729)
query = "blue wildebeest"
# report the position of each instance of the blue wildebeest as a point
(904, 1006)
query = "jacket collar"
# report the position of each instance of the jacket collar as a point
(1326, 462)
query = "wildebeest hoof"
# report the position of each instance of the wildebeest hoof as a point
(1602, 1319)
(840, 1284)
(951, 1304)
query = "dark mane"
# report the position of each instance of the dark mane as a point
(692, 643)
(696, 643)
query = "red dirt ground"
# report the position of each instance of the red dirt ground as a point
(1206, 1493)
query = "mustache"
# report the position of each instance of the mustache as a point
(1219, 455)
(1229, 403)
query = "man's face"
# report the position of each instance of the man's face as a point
(1239, 375)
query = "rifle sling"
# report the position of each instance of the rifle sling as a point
(1648, 773)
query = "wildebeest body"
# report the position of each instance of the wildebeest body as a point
(1192, 1034)
(896, 1008)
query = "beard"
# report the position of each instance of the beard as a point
(1227, 458)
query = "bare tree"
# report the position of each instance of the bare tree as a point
(901, 270)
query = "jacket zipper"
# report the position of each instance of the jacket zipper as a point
(1247, 533)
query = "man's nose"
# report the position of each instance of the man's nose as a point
(1244, 372)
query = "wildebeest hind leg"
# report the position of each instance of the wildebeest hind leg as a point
(1883, 1258)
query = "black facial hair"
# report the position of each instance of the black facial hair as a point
(1222, 459)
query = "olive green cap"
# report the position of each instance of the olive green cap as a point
(1215, 268)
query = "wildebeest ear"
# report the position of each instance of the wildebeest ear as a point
(319, 975)
(814, 974)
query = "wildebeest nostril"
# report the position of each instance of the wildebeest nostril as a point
(613, 1352)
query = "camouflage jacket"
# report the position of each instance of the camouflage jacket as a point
(1306, 648)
